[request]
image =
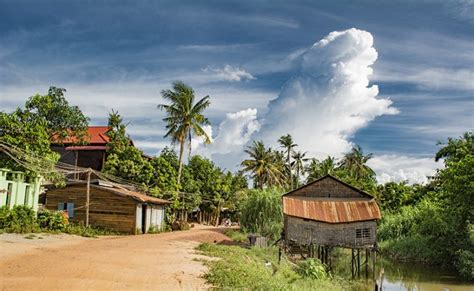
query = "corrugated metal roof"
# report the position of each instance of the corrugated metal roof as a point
(331, 210)
(122, 191)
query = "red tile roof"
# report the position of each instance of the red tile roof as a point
(331, 210)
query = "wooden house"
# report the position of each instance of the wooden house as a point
(110, 206)
(92, 154)
(329, 212)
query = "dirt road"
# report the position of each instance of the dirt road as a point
(154, 261)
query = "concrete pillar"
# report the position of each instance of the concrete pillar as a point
(35, 190)
(3, 186)
(19, 188)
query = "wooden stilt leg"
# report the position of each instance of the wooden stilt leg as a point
(358, 263)
(352, 264)
(366, 263)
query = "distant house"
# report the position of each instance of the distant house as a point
(110, 206)
(17, 189)
(329, 212)
(91, 155)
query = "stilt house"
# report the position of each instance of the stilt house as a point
(330, 213)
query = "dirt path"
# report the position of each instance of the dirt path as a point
(158, 262)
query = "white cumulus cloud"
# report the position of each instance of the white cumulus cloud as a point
(230, 73)
(399, 168)
(329, 99)
(234, 132)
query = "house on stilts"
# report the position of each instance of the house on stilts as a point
(329, 213)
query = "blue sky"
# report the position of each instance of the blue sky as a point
(120, 54)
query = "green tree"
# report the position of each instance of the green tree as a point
(184, 117)
(123, 159)
(317, 169)
(262, 212)
(62, 120)
(28, 132)
(264, 165)
(286, 142)
(299, 160)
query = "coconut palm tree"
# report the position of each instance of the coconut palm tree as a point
(264, 164)
(355, 164)
(299, 160)
(184, 117)
(286, 142)
(317, 169)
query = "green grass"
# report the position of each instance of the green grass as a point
(258, 269)
(236, 235)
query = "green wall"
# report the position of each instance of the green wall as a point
(18, 191)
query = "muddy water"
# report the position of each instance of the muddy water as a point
(398, 276)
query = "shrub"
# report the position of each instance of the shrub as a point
(52, 220)
(262, 213)
(312, 268)
(19, 219)
(4, 212)
(465, 264)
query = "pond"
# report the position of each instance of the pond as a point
(398, 276)
(401, 276)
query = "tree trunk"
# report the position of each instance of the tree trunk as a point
(181, 151)
(289, 168)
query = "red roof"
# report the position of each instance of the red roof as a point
(331, 210)
(97, 136)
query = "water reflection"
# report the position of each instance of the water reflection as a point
(398, 276)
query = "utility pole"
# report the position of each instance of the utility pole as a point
(88, 192)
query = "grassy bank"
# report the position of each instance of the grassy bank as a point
(258, 269)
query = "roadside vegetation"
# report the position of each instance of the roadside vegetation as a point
(258, 269)
(22, 219)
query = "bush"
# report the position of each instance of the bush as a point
(4, 212)
(313, 269)
(465, 264)
(52, 220)
(262, 213)
(19, 219)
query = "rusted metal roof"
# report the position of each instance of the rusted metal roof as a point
(331, 210)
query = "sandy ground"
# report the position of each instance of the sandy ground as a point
(155, 261)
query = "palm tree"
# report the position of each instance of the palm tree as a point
(299, 160)
(286, 142)
(264, 164)
(355, 163)
(184, 117)
(317, 169)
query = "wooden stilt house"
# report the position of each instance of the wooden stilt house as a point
(330, 213)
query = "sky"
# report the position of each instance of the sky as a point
(395, 77)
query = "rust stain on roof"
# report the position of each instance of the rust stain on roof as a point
(331, 210)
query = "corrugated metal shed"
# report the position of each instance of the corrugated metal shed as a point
(331, 210)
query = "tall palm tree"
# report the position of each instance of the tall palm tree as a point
(299, 160)
(355, 163)
(286, 142)
(184, 117)
(264, 164)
